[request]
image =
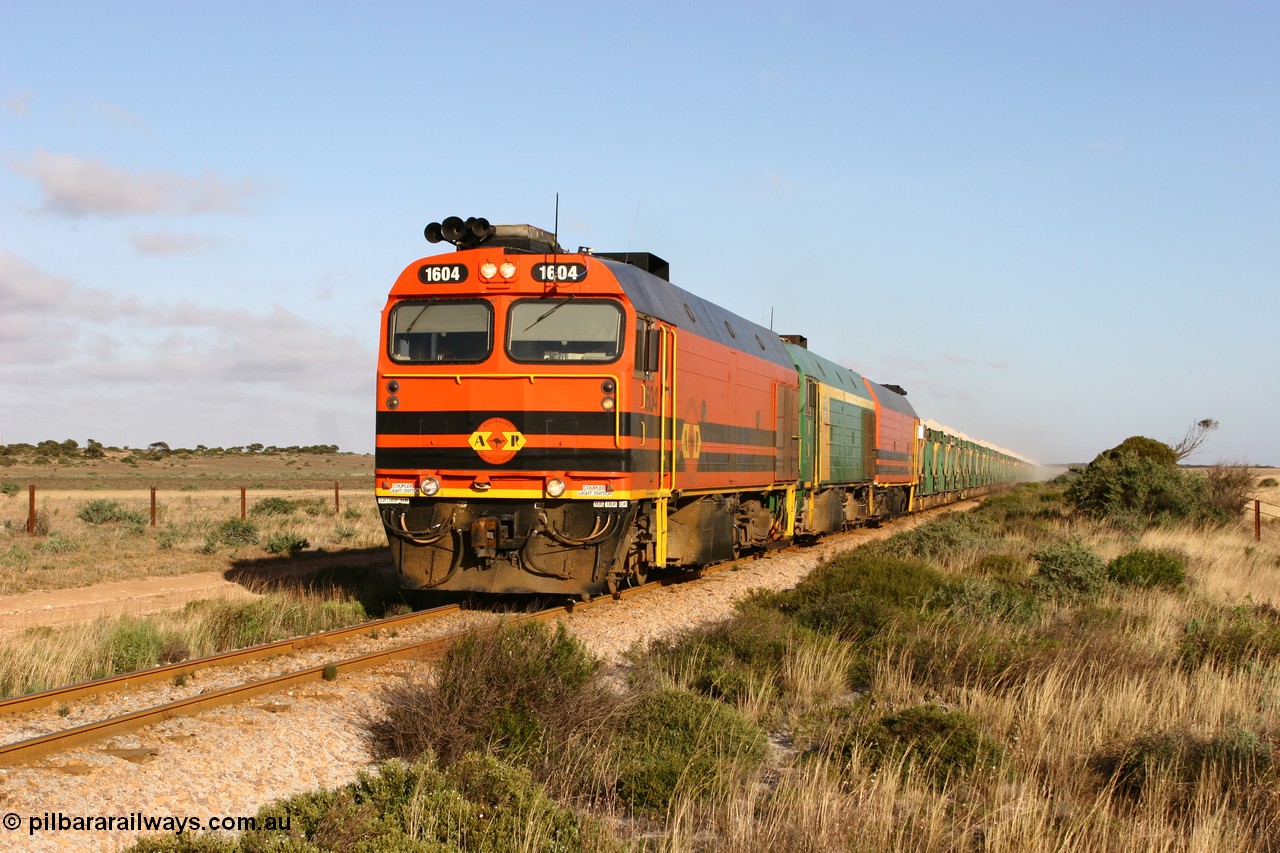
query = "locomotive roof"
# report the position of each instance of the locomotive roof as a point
(684, 310)
(892, 399)
(812, 364)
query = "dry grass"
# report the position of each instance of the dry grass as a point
(73, 552)
(1114, 682)
(44, 658)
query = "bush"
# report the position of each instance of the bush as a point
(1142, 447)
(945, 744)
(480, 805)
(674, 742)
(134, 644)
(1265, 483)
(102, 511)
(1233, 638)
(1137, 489)
(1234, 760)
(56, 544)
(858, 593)
(1149, 569)
(237, 531)
(727, 659)
(273, 506)
(942, 538)
(520, 693)
(11, 489)
(1070, 569)
(285, 543)
(1229, 489)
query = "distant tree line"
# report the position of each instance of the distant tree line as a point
(50, 450)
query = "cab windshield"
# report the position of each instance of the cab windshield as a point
(564, 329)
(458, 331)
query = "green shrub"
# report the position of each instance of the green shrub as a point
(1266, 483)
(237, 531)
(674, 742)
(273, 506)
(1233, 760)
(944, 744)
(11, 489)
(102, 511)
(134, 644)
(724, 660)
(1143, 448)
(1231, 638)
(941, 538)
(1138, 489)
(1070, 569)
(519, 692)
(479, 805)
(858, 593)
(1148, 568)
(56, 544)
(285, 543)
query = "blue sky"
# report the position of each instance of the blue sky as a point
(1056, 224)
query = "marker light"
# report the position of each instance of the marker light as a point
(488, 270)
(430, 485)
(393, 402)
(555, 487)
(393, 386)
(608, 386)
(508, 270)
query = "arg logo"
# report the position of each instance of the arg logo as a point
(496, 441)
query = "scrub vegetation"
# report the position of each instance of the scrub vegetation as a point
(45, 657)
(1050, 671)
(93, 519)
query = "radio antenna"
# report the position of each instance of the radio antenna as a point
(555, 236)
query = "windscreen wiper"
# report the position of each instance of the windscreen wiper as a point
(552, 310)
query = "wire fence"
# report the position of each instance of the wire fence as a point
(32, 513)
(1258, 515)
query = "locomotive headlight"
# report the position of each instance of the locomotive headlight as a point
(393, 402)
(429, 486)
(508, 270)
(488, 269)
(608, 404)
(608, 386)
(555, 487)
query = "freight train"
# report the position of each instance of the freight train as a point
(570, 422)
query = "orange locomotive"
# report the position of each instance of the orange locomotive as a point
(556, 422)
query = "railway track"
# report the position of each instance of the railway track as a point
(23, 751)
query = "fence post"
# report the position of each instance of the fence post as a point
(242, 504)
(335, 498)
(1257, 520)
(31, 511)
(153, 506)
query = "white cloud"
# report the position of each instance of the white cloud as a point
(77, 361)
(76, 186)
(169, 243)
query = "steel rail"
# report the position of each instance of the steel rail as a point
(20, 752)
(32, 701)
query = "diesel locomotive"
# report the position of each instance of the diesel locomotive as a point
(568, 422)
